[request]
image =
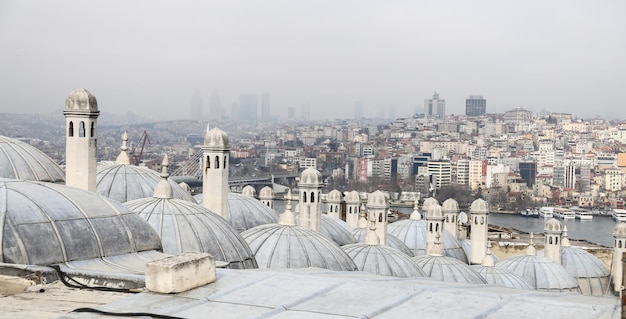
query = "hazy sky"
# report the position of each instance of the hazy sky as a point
(149, 56)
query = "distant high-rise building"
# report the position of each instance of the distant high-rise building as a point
(215, 106)
(265, 107)
(528, 171)
(291, 112)
(235, 112)
(248, 107)
(358, 110)
(476, 105)
(306, 111)
(196, 105)
(435, 107)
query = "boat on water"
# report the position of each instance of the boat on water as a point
(563, 213)
(530, 212)
(619, 215)
(546, 212)
(583, 215)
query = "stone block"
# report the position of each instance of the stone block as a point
(180, 273)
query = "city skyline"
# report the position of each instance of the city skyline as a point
(149, 57)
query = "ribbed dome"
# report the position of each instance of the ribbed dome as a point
(392, 241)
(479, 206)
(334, 196)
(383, 260)
(620, 230)
(541, 272)
(81, 100)
(188, 227)
(46, 223)
(310, 177)
(19, 160)
(246, 212)
(335, 229)
(434, 211)
(413, 234)
(450, 205)
(591, 273)
(277, 246)
(448, 269)
(124, 183)
(248, 191)
(216, 138)
(502, 277)
(353, 198)
(552, 225)
(266, 193)
(428, 202)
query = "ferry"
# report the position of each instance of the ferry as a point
(583, 215)
(619, 215)
(530, 212)
(563, 213)
(546, 212)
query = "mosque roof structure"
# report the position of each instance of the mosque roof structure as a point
(46, 223)
(334, 196)
(450, 269)
(499, 276)
(19, 160)
(361, 232)
(335, 229)
(246, 212)
(353, 197)
(81, 100)
(216, 138)
(248, 191)
(310, 176)
(188, 227)
(266, 193)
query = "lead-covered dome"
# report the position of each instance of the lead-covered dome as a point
(383, 260)
(246, 212)
(502, 277)
(216, 138)
(335, 229)
(81, 100)
(448, 269)
(412, 232)
(391, 241)
(541, 272)
(45, 223)
(19, 160)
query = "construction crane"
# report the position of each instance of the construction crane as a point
(136, 157)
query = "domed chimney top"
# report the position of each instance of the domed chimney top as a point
(81, 101)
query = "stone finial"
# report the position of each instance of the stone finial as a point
(163, 189)
(123, 158)
(287, 217)
(362, 220)
(488, 260)
(531, 250)
(415, 215)
(565, 240)
(372, 238)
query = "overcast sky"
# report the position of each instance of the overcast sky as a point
(149, 56)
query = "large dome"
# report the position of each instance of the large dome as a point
(590, 272)
(392, 241)
(46, 223)
(277, 246)
(19, 160)
(446, 268)
(502, 277)
(541, 272)
(335, 229)
(413, 233)
(124, 183)
(246, 212)
(383, 260)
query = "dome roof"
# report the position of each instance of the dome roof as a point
(450, 205)
(502, 277)
(336, 230)
(310, 177)
(216, 138)
(541, 272)
(334, 196)
(124, 183)
(277, 246)
(188, 227)
(552, 225)
(81, 100)
(19, 160)
(248, 191)
(448, 269)
(413, 233)
(377, 199)
(620, 230)
(383, 260)
(266, 193)
(479, 206)
(392, 241)
(590, 272)
(353, 198)
(246, 212)
(46, 223)
(428, 202)
(434, 211)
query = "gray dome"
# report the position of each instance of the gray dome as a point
(466, 244)
(46, 223)
(353, 198)
(246, 212)
(124, 183)
(392, 241)
(450, 205)
(19, 160)
(377, 199)
(413, 234)
(334, 196)
(310, 177)
(266, 193)
(216, 138)
(335, 229)
(278, 246)
(188, 227)
(446, 268)
(502, 277)
(383, 260)
(434, 211)
(541, 272)
(428, 202)
(81, 100)
(479, 206)
(249, 191)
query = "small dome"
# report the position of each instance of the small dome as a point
(19, 160)
(334, 197)
(216, 138)
(434, 212)
(590, 272)
(413, 234)
(45, 223)
(81, 100)
(310, 177)
(353, 198)
(278, 246)
(541, 272)
(502, 277)
(552, 225)
(620, 230)
(428, 202)
(246, 212)
(377, 199)
(335, 229)
(450, 269)
(248, 191)
(266, 193)
(188, 227)
(383, 260)
(450, 205)
(479, 206)
(392, 241)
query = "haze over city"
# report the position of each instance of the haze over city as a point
(148, 57)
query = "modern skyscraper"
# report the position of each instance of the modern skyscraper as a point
(196, 105)
(435, 107)
(265, 107)
(358, 110)
(248, 107)
(475, 105)
(215, 106)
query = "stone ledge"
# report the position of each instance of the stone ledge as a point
(180, 273)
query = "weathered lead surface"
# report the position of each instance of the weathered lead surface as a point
(19, 160)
